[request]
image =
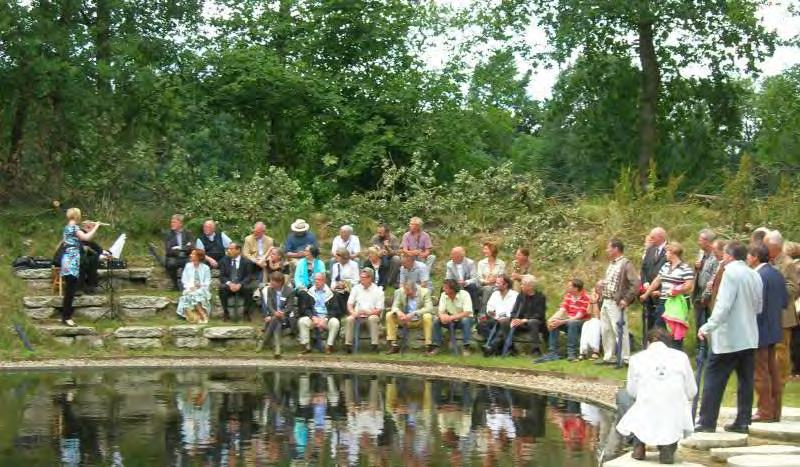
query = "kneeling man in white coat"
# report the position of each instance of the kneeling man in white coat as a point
(662, 382)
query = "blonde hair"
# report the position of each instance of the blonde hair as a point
(373, 251)
(74, 214)
(676, 249)
(791, 249)
(529, 279)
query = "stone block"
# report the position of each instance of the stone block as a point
(651, 459)
(723, 454)
(64, 340)
(186, 330)
(784, 431)
(32, 274)
(191, 342)
(140, 273)
(775, 460)
(229, 332)
(55, 301)
(142, 301)
(233, 343)
(61, 331)
(138, 332)
(788, 414)
(91, 312)
(138, 343)
(720, 439)
(40, 313)
(138, 313)
(92, 341)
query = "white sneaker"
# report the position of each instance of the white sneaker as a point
(70, 323)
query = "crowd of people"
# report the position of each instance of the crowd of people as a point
(741, 295)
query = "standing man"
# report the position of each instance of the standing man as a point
(654, 259)
(177, 246)
(769, 385)
(236, 279)
(733, 330)
(256, 246)
(704, 268)
(620, 287)
(788, 269)
(366, 302)
(417, 243)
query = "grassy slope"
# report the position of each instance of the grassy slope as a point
(35, 230)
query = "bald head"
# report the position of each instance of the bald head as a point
(457, 254)
(259, 229)
(774, 243)
(658, 235)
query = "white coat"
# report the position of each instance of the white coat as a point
(662, 382)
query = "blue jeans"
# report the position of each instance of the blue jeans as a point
(466, 330)
(573, 330)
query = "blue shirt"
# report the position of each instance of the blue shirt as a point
(319, 303)
(297, 243)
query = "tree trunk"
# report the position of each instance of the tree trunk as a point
(102, 43)
(13, 165)
(279, 42)
(648, 101)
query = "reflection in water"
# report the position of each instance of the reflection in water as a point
(288, 418)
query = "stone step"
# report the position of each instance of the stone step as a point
(719, 439)
(783, 431)
(651, 459)
(133, 274)
(723, 454)
(775, 460)
(42, 307)
(60, 330)
(788, 414)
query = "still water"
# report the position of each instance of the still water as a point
(258, 418)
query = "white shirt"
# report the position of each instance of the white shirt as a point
(352, 244)
(366, 299)
(502, 306)
(347, 273)
(662, 382)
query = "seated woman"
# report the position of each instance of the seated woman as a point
(276, 262)
(590, 334)
(375, 262)
(489, 268)
(195, 303)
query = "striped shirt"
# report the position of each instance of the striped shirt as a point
(673, 277)
(576, 305)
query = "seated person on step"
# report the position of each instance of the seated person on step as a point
(412, 307)
(236, 282)
(455, 307)
(319, 314)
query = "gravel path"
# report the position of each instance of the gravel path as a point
(597, 392)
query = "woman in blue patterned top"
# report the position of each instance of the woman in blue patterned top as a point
(71, 260)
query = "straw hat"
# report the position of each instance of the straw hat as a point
(300, 225)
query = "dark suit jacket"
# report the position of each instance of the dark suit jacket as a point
(652, 263)
(776, 298)
(171, 240)
(289, 306)
(246, 274)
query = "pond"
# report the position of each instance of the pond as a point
(267, 417)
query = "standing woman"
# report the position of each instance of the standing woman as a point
(71, 261)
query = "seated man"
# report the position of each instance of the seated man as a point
(463, 270)
(236, 281)
(414, 271)
(344, 276)
(389, 247)
(365, 304)
(569, 318)
(498, 311)
(256, 247)
(276, 307)
(178, 243)
(662, 382)
(529, 312)
(348, 241)
(455, 306)
(411, 307)
(297, 242)
(319, 315)
(214, 245)
(417, 243)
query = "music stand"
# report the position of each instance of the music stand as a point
(108, 287)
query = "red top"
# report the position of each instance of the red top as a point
(576, 306)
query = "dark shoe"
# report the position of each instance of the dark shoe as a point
(434, 350)
(348, 348)
(734, 428)
(226, 316)
(393, 349)
(328, 349)
(277, 356)
(548, 357)
(666, 454)
(639, 451)
(536, 352)
(704, 429)
(761, 419)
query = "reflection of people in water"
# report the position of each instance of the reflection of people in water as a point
(195, 409)
(573, 426)
(68, 431)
